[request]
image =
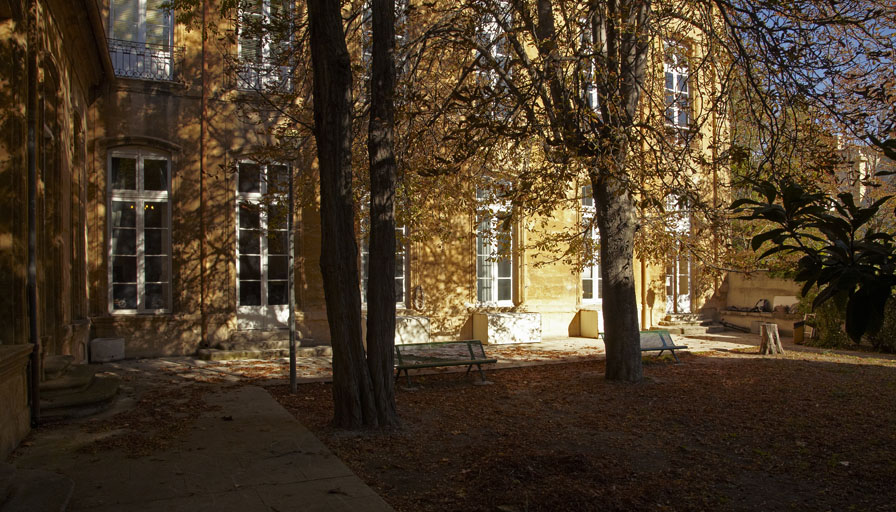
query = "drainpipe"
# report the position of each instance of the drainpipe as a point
(32, 108)
(644, 295)
(202, 239)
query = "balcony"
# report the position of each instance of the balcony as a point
(264, 76)
(147, 61)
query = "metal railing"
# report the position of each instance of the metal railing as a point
(264, 76)
(149, 61)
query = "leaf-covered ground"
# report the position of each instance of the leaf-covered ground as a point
(722, 431)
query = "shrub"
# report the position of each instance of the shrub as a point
(885, 339)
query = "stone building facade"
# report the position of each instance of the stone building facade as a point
(185, 251)
(53, 63)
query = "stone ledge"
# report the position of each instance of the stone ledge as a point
(506, 327)
(213, 354)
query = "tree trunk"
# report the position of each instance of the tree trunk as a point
(617, 224)
(381, 270)
(353, 399)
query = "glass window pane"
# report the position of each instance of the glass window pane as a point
(399, 290)
(277, 216)
(250, 241)
(277, 293)
(155, 269)
(124, 296)
(587, 287)
(277, 267)
(503, 268)
(484, 290)
(504, 289)
(124, 269)
(250, 293)
(124, 214)
(155, 214)
(250, 267)
(249, 179)
(156, 241)
(600, 288)
(124, 241)
(483, 267)
(155, 174)
(249, 216)
(124, 173)
(277, 242)
(278, 178)
(156, 296)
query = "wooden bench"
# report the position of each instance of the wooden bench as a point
(659, 340)
(415, 356)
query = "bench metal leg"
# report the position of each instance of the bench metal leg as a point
(481, 373)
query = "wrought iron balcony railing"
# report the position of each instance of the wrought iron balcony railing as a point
(264, 76)
(134, 59)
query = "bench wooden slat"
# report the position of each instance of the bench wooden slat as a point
(666, 343)
(409, 356)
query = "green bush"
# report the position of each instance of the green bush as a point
(829, 326)
(885, 339)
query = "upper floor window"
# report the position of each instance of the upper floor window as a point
(264, 35)
(495, 59)
(139, 232)
(140, 39)
(678, 100)
(588, 71)
(494, 253)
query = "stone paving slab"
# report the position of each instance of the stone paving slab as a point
(244, 453)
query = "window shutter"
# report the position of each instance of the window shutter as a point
(250, 31)
(158, 23)
(125, 19)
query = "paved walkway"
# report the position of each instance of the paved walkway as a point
(244, 453)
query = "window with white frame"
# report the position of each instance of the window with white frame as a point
(400, 265)
(264, 35)
(140, 39)
(592, 283)
(588, 72)
(677, 89)
(139, 232)
(262, 251)
(494, 254)
(496, 58)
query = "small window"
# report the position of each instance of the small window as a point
(139, 232)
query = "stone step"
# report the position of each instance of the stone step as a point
(67, 403)
(77, 378)
(214, 354)
(674, 323)
(692, 330)
(56, 366)
(33, 490)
